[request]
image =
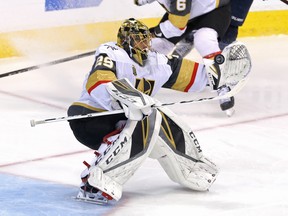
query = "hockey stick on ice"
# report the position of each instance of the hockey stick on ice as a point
(231, 93)
(47, 64)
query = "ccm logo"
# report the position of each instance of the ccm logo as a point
(114, 153)
(195, 141)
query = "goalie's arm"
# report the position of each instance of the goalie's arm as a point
(103, 71)
(187, 75)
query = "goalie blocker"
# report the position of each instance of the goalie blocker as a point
(159, 135)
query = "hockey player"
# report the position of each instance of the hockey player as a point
(199, 22)
(239, 11)
(125, 75)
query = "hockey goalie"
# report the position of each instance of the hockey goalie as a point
(125, 75)
(160, 134)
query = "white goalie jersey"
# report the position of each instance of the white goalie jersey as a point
(112, 63)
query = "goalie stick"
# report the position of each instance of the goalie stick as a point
(47, 64)
(229, 94)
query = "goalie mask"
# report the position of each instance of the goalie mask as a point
(134, 37)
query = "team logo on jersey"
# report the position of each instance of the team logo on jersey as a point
(134, 70)
(145, 86)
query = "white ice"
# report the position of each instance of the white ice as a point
(250, 148)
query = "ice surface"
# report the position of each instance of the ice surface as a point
(40, 167)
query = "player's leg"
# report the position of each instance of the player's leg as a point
(184, 46)
(179, 153)
(127, 151)
(90, 131)
(239, 11)
(86, 191)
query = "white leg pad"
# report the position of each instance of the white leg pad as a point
(182, 159)
(195, 174)
(124, 156)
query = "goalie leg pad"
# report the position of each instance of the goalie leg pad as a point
(195, 174)
(179, 153)
(123, 157)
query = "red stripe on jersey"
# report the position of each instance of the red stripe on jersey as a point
(97, 84)
(212, 55)
(192, 77)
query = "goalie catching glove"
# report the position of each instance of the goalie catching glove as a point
(135, 104)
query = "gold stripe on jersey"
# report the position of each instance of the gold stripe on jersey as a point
(88, 107)
(98, 77)
(217, 3)
(145, 131)
(167, 130)
(186, 75)
(179, 21)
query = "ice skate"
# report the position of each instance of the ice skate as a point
(87, 193)
(227, 104)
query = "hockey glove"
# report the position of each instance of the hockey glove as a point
(167, 30)
(135, 104)
(156, 32)
(143, 2)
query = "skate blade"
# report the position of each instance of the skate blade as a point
(93, 201)
(230, 112)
